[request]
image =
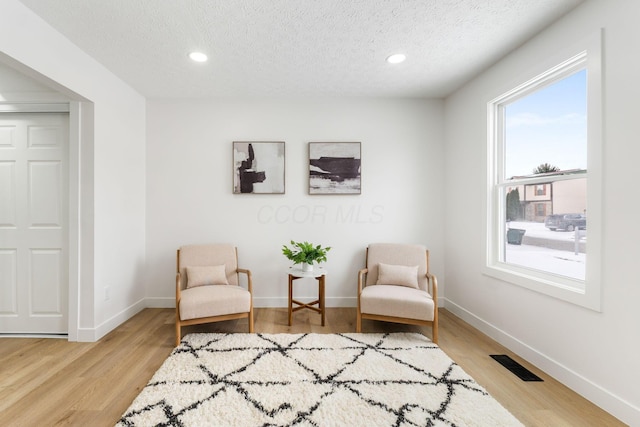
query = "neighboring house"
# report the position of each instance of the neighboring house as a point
(537, 201)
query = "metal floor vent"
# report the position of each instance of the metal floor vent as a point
(523, 373)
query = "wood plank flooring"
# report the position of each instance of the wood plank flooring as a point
(51, 382)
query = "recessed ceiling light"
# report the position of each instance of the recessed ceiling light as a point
(198, 56)
(396, 58)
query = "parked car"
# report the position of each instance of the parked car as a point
(567, 222)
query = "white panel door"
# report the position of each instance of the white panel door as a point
(34, 265)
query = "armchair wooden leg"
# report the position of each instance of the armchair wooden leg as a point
(358, 322)
(434, 327)
(177, 333)
(251, 321)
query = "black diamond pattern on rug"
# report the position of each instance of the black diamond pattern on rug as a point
(400, 379)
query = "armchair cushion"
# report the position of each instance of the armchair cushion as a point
(206, 301)
(396, 254)
(397, 301)
(206, 275)
(400, 275)
(202, 255)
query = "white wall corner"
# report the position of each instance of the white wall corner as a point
(160, 302)
(94, 334)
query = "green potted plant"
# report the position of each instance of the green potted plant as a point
(305, 253)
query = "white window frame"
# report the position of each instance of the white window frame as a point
(585, 293)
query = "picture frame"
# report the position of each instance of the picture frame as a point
(258, 167)
(335, 168)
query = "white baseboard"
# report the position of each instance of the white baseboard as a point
(278, 302)
(260, 302)
(161, 302)
(618, 407)
(270, 302)
(94, 334)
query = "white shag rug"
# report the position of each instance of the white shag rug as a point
(399, 379)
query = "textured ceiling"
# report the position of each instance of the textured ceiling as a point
(291, 48)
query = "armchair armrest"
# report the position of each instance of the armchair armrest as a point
(249, 279)
(433, 280)
(178, 287)
(361, 275)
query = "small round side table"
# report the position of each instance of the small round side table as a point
(318, 273)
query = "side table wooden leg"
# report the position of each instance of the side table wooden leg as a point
(321, 298)
(290, 297)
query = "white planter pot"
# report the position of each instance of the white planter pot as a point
(307, 267)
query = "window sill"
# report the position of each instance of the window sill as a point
(562, 288)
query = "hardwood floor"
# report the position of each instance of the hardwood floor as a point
(47, 382)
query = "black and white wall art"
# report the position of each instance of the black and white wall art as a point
(334, 168)
(258, 167)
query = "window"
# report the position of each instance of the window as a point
(544, 177)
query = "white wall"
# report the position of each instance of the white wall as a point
(16, 87)
(112, 179)
(190, 200)
(595, 353)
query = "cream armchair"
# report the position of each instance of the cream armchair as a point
(208, 287)
(396, 286)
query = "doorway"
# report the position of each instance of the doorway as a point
(34, 223)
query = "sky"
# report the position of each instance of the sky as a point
(548, 126)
